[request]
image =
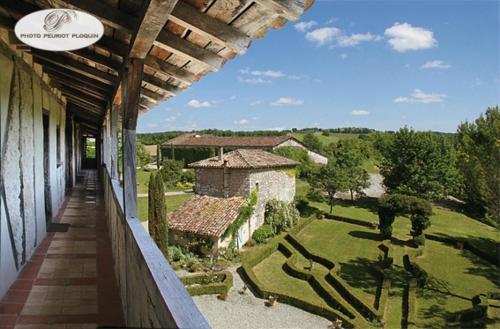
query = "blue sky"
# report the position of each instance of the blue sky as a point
(378, 64)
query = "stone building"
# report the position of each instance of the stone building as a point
(223, 184)
(266, 143)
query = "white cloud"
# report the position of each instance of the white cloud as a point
(304, 26)
(338, 38)
(170, 119)
(404, 37)
(254, 81)
(283, 101)
(294, 77)
(268, 73)
(357, 38)
(197, 104)
(152, 125)
(360, 113)
(343, 56)
(436, 64)
(242, 122)
(331, 20)
(418, 96)
(255, 103)
(322, 36)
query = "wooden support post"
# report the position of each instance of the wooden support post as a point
(115, 114)
(131, 91)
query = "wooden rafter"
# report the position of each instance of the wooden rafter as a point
(177, 45)
(159, 83)
(69, 76)
(151, 94)
(290, 9)
(170, 70)
(210, 27)
(153, 20)
(109, 15)
(79, 67)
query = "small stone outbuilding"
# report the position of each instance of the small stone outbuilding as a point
(228, 178)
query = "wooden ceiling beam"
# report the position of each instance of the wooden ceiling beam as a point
(69, 88)
(154, 19)
(170, 70)
(179, 46)
(151, 95)
(76, 66)
(210, 27)
(290, 9)
(84, 100)
(163, 85)
(98, 59)
(71, 77)
(79, 85)
(109, 15)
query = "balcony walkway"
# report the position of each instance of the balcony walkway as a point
(69, 282)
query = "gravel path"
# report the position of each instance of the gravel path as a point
(249, 312)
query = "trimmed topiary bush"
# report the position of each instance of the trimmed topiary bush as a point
(263, 234)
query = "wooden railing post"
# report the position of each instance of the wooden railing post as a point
(131, 90)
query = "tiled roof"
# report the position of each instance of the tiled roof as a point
(194, 140)
(246, 159)
(205, 215)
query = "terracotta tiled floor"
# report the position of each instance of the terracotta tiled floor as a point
(69, 282)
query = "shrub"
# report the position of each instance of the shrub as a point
(171, 172)
(263, 234)
(251, 242)
(216, 283)
(281, 215)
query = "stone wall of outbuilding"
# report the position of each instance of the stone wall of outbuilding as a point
(24, 97)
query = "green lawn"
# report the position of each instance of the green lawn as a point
(444, 222)
(271, 274)
(173, 202)
(350, 246)
(455, 276)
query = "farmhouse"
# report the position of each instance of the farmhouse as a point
(267, 143)
(224, 184)
(67, 209)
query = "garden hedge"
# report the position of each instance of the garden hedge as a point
(208, 283)
(410, 304)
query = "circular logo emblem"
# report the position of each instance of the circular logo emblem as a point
(59, 29)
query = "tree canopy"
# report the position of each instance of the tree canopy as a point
(421, 164)
(479, 146)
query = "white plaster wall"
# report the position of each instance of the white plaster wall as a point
(22, 206)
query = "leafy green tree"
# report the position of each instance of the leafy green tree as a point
(421, 164)
(281, 215)
(331, 178)
(157, 213)
(143, 157)
(312, 142)
(479, 146)
(171, 172)
(349, 156)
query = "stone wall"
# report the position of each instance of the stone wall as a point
(211, 182)
(24, 95)
(269, 184)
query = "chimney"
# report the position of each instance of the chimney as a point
(221, 153)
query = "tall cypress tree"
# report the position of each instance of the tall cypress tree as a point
(157, 213)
